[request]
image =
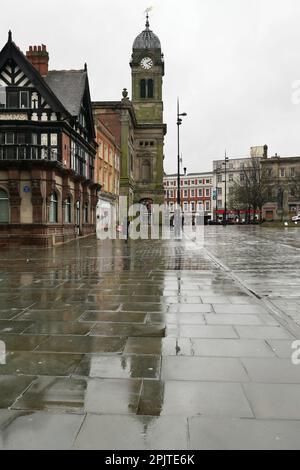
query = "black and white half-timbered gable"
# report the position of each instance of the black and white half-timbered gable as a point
(47, 149)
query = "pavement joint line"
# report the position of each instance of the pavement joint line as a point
(279, 315)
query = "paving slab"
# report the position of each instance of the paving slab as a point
(231, 348)
(205, 369)
(272, 370)
(123, 367)
(39, 431)
(188, 398)
(243, 434)
(11, 387)
(133, 433)
(274, 401)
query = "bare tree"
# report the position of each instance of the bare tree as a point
(251, 192)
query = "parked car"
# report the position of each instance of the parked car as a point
(296, 218)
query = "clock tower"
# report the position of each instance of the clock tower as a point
(147, 68)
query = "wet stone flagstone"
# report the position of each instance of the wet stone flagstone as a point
(152, 344)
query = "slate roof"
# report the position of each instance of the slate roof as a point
(69, 87)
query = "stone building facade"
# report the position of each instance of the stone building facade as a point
(138, 124)
(284, 192)
(47, 150)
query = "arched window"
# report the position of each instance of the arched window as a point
(86, 213)
(53, 209)
(143, 88)
(4, 207)
(150, 88)
(68, 210)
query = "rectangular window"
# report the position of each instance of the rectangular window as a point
(24, 99)
(53, 139)
(44, 139)
(21, 138)
(9, 138)
(150, 88)
(219, 191)
(207, 192)
(293, 172)
(192, 193)
(231, 177)
(143, 88)
(220, 179)
(185, 193)
(207, 205)
(2, 96)
(200, 192)
(13, 99)
(282, 172)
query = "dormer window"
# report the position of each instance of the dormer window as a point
(13, 99)
(17, 99)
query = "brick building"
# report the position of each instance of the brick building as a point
(47, 150)
(196, 193)
(107, 171)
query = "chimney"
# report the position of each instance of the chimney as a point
(39, 58)
(265, 151)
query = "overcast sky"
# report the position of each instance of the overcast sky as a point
(232, 63)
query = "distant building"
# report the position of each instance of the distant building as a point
(107, 172)
(284, 192)
(196, 193)
(47, 150)
(234, 172)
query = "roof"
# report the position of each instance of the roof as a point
(146, 39)
(189, 175)
(69, 87)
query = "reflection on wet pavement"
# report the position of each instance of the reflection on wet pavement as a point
(151, 344)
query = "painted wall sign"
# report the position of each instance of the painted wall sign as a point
(13, 117)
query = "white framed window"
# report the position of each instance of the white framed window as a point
(282, 172)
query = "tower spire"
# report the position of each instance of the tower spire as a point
(147, 17)
(9, 36)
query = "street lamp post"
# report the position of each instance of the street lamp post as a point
(179, 122)
(225, 207)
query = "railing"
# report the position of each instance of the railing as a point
(27, 152)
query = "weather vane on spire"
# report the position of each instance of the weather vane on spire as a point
(147, 15)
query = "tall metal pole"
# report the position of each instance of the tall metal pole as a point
(178, 158)
(225, 214)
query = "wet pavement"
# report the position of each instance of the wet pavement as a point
(152, 344)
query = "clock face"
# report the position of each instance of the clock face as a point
(147, 63)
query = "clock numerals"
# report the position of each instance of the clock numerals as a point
(146, 63)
